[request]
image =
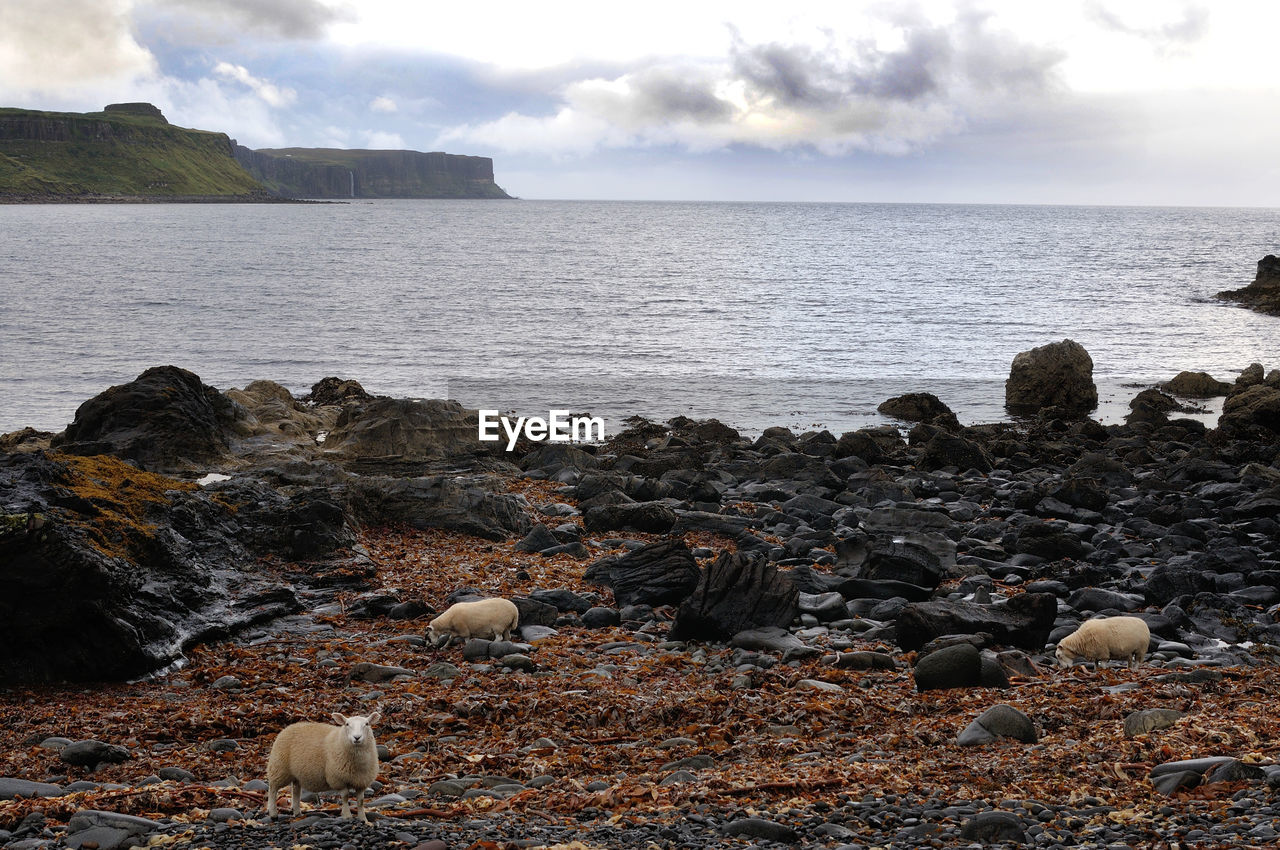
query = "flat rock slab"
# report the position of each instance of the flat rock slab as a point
(1150, 720)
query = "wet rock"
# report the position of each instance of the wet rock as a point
(1058, 375)
(366, 671)
(1024, 621)
(1251, 414)
(825, 607)
(952, 450)
(535, 612)
(90, 753)
(13, 789)
(601, 617)
(165, 420)
(863, 661)
(956, 666)
(774, 639)
(1263, 294)
(765, 830)
(662, 573)
(736, 592)
(537, 539)
(335, 391)
(406, 429)
(915, 407)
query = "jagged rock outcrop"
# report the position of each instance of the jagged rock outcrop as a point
(1263, 294)
(662, 573)
(166, 420)
(736, 592)
(1058, 375)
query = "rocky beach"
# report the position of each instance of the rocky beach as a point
(790, 639)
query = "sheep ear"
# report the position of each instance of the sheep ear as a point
(375, 718)
(340, 719)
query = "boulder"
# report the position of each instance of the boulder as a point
(1024, 621)
(407, 429)
(1196, 385)
(1150, 720)
(999, 721)
(951, 450)
(916, 407)
(1252, 413)
(166, 420)
(662, 573)
(1058, 375)
(652, 517)
(335, 391)
(466, 504)
(955, 666)
(736, 592)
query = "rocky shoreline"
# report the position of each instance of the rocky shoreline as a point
(794, 640)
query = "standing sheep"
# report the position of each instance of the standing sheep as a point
(485, 618)
(320, 757)
(1106, 639)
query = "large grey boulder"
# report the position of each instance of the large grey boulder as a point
(405, 428)
(1058, 375)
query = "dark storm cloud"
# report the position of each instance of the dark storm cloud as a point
(932, 61)
(295, 19)
(665, 94)
(1190, 28)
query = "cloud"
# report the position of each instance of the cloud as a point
(1164, 36)
(383, 104)
(68, 51)
(890, 95)
(271, 94)
(291, 19)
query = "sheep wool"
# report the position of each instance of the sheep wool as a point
(320, 757)
(494, 619)
(1106, 639)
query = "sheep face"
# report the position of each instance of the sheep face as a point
(357, 729)
(1065, 658)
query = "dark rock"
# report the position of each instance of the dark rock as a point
(652, 517)
(1044, 540)
(859, 588)
(563, 599)
(1251, 414)
(601, 618)
(441, 501)
(736, 592)
(1167, 582)
(1151, 406)
(1196, 385)
(991, 827)
(534, 612)
(1058, 375)
(951, 450)
(335, 391)
(1025, 620)
(1101, 599)
(915, 407)
(90, 753)
(13, 789)
(999, 721)
(662, 573)
(826, 607)
(956, 666)
(774, 639)
(1263, 294)
(864, 661)
(765, 830)
(366, 671)
(898, 559)
(538, 539)
(166, 420)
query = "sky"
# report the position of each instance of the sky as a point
(1087, 102)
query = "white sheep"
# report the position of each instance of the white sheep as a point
(320, 757)
(1106, 639)
(485, 618)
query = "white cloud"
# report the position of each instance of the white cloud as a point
(383, 104)
(272, 94)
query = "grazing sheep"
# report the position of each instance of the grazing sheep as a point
(485, 618)
(320, 757)
(1106, 639)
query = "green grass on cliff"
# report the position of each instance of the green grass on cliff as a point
(59, 154)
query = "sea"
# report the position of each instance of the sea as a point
(758, 314)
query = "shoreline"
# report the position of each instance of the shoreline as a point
(924, 581)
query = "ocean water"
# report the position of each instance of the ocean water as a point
(807, 315)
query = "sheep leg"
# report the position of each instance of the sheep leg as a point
(346, 808)
(295, 789)
(360, 806)
(272, 790)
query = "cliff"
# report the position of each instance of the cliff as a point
(127, 150)
(334, 173)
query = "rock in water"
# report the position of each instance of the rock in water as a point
(1196, 385)
(1263, 294)
(166, 420)
(737, 592)
(1058, 375)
